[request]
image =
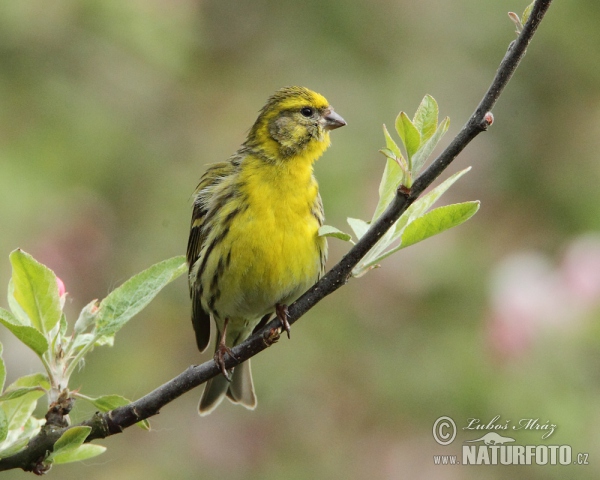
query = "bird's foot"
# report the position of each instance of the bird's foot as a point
(282, 315)
(222, 350)
(271, 336)
(219, 358)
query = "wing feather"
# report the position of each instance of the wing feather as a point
(205, 190)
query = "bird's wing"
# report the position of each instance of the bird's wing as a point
(319, 213)
(209, 181)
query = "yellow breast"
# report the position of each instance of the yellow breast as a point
(275, 248)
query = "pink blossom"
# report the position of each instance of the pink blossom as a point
(62, 291)
(529, 295)
(581, 269)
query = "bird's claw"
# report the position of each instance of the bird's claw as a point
(282, 315)
(271, 336)
(219, 358)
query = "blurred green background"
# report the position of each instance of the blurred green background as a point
(109, 112)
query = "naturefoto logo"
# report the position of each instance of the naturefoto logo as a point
(493, 448)
(492, 438)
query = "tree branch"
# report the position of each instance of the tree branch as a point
(116, 421)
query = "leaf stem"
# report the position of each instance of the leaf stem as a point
(75, 361)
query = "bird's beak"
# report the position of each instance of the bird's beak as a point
(332, 120)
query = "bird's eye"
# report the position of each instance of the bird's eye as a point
(307, 111)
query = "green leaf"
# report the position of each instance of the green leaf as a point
(424, 203)
(176, 271)
(359, 226)
(36, 291)
(3, 426)
(63, 325)
(437, 221)
(2, 370)
(28, 335)
(426, 118)
(84, 339)
(70, 447)
(87, 317)
(411, 138)
(20, 315)
(390, 143)
(14, 445)
(392, 176)
(388, 153)
(107, 403)
(71, 439)
(130, 298)
(329, 231)
(432, 223)
(18, 392)
(84, 452)
(416, 210)
(104, 340)
(427, 147)
(32, 380)
(527, 13)
(17, 439)
(19, 410)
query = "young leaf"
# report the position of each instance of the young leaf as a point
(63, 325)
(11, 394)
(127, 300)
(36, 291)
(13, 445)
(83, 452)
(436, 221)
(527, 13)
(87, 317)
(371, 258)
(177, 271)
(428, 146)
(359, 226)
(28, 335)
(517, 21)
(107, 403)
(432, 223)
(32, 380)
(18, 438)
(390, 143)
(20, 409)
(416, 210)
(70, 448)
(426, 118)
(3, 426)
(329, 231)
(392, 177)
(84, 339)
(409, 134)
(71, 439)
(19, 314)
(388, 153)
(424, 203)
(2, 371)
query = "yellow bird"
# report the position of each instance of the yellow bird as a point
(253, 247)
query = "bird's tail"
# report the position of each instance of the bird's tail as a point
(239, 390)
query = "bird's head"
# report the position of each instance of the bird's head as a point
(295, 122)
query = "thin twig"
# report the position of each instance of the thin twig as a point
(117, 420)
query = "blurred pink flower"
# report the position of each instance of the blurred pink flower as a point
(529, 295)
(581, 269)
(61, 287)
